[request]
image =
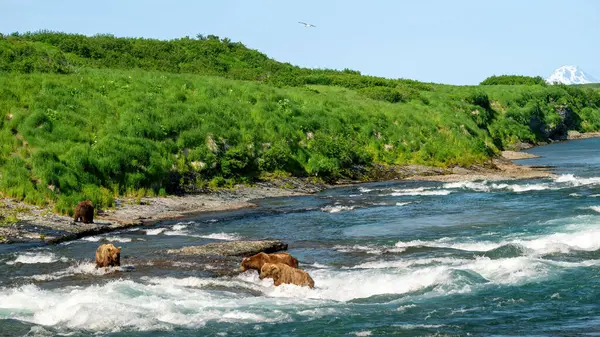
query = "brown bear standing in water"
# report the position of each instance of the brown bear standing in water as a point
(84, 212)
(282, 273)
(257, 261)
(107, 255)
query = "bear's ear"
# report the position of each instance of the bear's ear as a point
(119, 249)
(275, 269)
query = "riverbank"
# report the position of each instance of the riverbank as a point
(26, 223)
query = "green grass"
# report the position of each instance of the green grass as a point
(77, 122)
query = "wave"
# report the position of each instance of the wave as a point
(419, 191)
(36, 257)
(561, 242)
(572, 180)
(562, 181)
(408, 263)
(318, 266)
(369, 249)
(178, 229)
(419, 326)
(155, 231)
(485, 186)
(595, 208)
(403, 203)
(106, 238)
(222, 236)
(79, 268)
(347, 285)
(406, 307)
(337, 208)
(168, 303)
(126, 305)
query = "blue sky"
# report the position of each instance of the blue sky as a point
(456, 42)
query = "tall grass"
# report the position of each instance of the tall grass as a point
(89, 133)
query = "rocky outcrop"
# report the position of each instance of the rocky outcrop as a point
(568, 120)
(577, 135)
(233, 248)
(514, 155)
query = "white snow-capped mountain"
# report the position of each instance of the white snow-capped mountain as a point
(570, 75)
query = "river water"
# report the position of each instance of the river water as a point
(410, 258)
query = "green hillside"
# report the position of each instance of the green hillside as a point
(95, 117)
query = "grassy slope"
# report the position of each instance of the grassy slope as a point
(70, 130)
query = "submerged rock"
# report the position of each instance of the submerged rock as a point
(233, 248)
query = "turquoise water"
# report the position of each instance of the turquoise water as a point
(411, 258)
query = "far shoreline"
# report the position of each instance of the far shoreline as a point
(37, 225)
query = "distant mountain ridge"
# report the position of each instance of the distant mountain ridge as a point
(570, 74)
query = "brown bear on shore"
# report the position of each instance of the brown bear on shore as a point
(257, 261)
(84, 212)
(282, 273)
(107, 255)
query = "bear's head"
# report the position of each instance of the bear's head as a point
(269, 270)
(254, 262)
(115, 255)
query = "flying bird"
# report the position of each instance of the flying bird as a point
(307, 25)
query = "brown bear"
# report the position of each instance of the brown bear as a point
(257, 261)
(282, 273)
(84, 212)
(107, 255)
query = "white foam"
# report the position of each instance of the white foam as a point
(528, 187)
(572, 180)
(595, 208)
(563, 181)
(80, 268)
(179, 227)
(580, 239)
(419, 191)
(406, 307)
(318, 312)
(319, 266)
(359, 248)
(364, 190)
(485, 186)
(36, 257)
(445, 242)
(337, 208)
(419, 326)
(222, 236)
(155, 231)
(471, 185)
(127, 305)
(406, 263)
(403, 203)
(106, 238)
(363, 333)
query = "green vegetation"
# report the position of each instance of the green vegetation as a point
(97, 117)
(513, 80)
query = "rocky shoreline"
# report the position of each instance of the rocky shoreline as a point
(26, 223)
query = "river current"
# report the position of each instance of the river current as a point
(404, 258)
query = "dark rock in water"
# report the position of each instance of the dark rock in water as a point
(506, 251)
(233, 248)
